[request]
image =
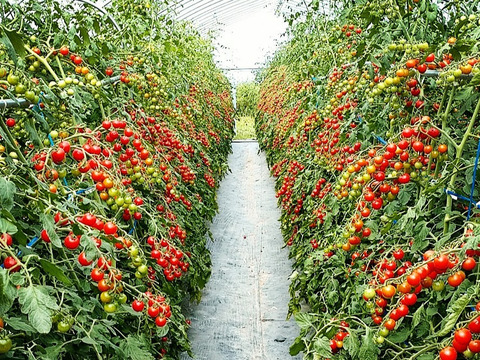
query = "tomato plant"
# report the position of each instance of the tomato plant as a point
(368, 134)
(110, 161)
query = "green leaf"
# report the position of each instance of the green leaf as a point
(7, 292)
(369, 350)
(19, 324)
(399, 336)
(38, 304)
(13, 45)
(135, 348)
(417, 316)
(54, 270)
(16, 41)
(421, 230)
(475, 80)
(321, 346)
(7, 227)
(49, 224)
(162, 331)
(303, 320)
(427, 356)
(7, 193)
(454, 310)
(351, 344)
(89, 246)
(297, 346)
(32, 132)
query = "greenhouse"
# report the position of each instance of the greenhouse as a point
(239, 180)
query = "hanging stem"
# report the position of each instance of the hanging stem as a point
(60, 66)
(12, 141)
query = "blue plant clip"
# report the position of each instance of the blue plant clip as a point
(130, 232)
(382, 141)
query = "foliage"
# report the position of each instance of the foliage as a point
(247, 96)
(108, 178)
(245, 128)
(368, 116)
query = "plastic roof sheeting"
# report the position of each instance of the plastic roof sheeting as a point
(213, 14)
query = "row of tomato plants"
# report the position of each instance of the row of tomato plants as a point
(369, 119)
(108, 178)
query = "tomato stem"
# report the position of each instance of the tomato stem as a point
(12, 142)
(447, 111)
(60, 66)
(458, 156)
(43, 61)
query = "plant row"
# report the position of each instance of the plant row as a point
(369, 119)
(115, 128)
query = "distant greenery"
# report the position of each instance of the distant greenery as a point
(248, 95)
(245, 128)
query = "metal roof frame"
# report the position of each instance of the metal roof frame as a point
(224, 12)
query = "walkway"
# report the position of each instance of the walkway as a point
(244, 305)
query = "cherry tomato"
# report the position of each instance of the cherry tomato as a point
(63, 326)
(5, 345)
(390, 324)
(138, 305)
(463, 336)
(448, 353)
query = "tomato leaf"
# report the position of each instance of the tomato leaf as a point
(19, 324)
(38, 304)
(369, 350)
(89, 246)
(303, 320)
(135, 348)
(352, 344)
(13, 45)
(7, 292)
(297, 346)
(400, 335)
(322, 347)
(32, 132)
(417, 316)
(7, 193)
(475, 80)
(455, 309)
(427, 356)
(7, 227)
(49, 225)
(54, 270)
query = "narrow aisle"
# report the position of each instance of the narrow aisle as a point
(244, 305)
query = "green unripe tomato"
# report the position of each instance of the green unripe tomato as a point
(369, 293)
(106, 297)
(383, 332)
(137, 261)
(143, 269)
(110, 308)
(122, 298)
(133, 252)
(438, 285)
(63, 326)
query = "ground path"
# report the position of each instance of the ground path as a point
(244, 305)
